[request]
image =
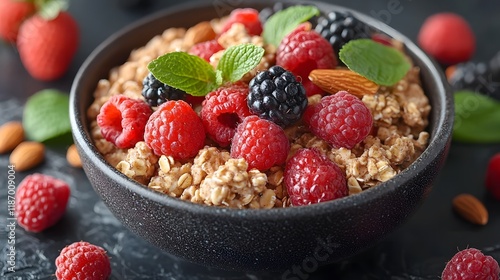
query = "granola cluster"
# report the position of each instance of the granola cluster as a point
(213, 178)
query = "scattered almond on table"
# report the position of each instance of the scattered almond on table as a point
(27, 155)
(471, 209)
(11, 134)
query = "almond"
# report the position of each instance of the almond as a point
(335, 80)
(471, 209)
(73, 157)
(201, 32)
(27, 155)
(11, 134)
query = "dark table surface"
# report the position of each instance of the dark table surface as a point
(417, 250)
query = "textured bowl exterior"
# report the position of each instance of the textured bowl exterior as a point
(256, 239)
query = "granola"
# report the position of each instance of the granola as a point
(400, 115)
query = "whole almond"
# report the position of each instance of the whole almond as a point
(335, 80)
(201, 32)
(11, 134)
(73, 157)
(27, 155)
(471, 209)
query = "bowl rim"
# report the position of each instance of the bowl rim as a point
(437, 142)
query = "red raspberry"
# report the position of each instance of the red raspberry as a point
(448, 38)
(122, 120)
(248, 17)
(262, 143)
(206, 49)
(312, 178)
(223, 110)
(342, 119)
(41, 201)
(493, 176)
(175, 129)
(302, 51)
(82, 260)
(471, 264)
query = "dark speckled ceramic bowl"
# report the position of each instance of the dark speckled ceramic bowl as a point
(256, 239)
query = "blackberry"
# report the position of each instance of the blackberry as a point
(477, 76)
(157, 93)
(277, 96)
(338, 28)
(266, 13)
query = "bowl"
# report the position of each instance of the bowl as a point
(272, 239)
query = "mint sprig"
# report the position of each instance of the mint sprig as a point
(197, 77)
(46, 115)
(477, 118)
(381, 64)
(285, 21)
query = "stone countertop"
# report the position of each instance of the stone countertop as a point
(419, 249)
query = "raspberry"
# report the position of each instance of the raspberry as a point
(248, 17)
(493, 176)
(206, 49)
(471, 264)
(262, 143)
(122, 120)
(223, 110)
(82, 260)
(338, 28)
(302, 51)
(312, 178)
(175, 129)
(41, 201)
(157, 93)
(447, 37)
(342, 119)
(276, 95)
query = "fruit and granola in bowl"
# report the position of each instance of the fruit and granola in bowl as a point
(341, 131)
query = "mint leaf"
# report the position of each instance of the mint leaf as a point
(285, 21)
(239, 60)
(477, 118)
(46, 115)
(381, 64)
(186, 72)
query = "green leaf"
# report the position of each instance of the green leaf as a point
(285, 21)
(239, 60)
(381, 64)
(46, 115)
(186, 72)
(49, 9)
(477, 118)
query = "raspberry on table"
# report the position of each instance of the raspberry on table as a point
(122, 120)
(41, 201)
(157, 93)
(471, 264)
(262, 143)
(82, 260)
(302, 51)
(222, 111)
(175, 129)
(342, 119)
(248, 17)
(206, 49)
(493, 176)
(311, 177)
(447, 37)
(338, 28)
(277, 96)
